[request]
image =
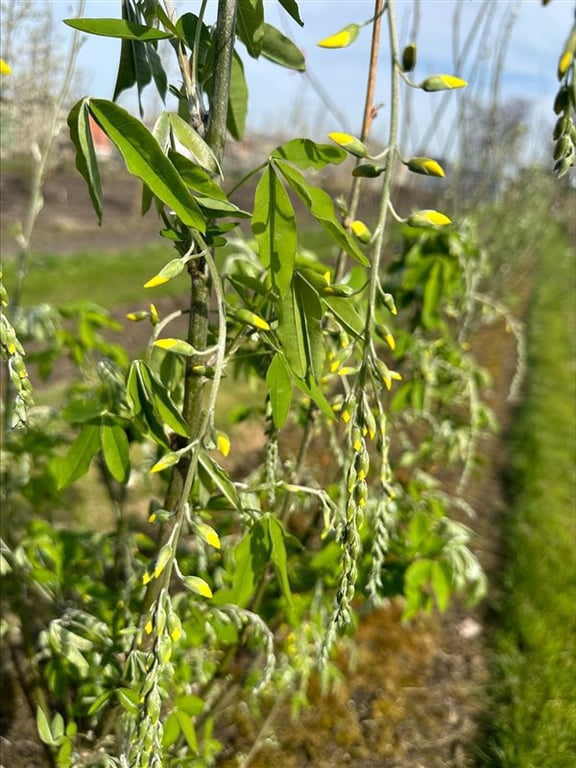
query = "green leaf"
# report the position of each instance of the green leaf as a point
(278, 555)
(79, 411)
(291, 332)
(291, 6)
(250, 25)
(192, 705)
(312, 390)
(195, 144)
(86, 163)
(43, 727)
(99, 702)
(128, 30)
(116, 451)
(346, 314)
(187, 727)
(213, 475)
(158, 71)
(441, 584)
(274, 227)
(171, 730)
(197, 178)
(321, 206)
(76, 462)
(433, 289)
(251, 557)
(145, 159)
(238, 101)
(209, 195)
(160, 398)
(279, 385)
(57, 727)
(134, 67)
(311, 314)
(281, 50)
(307, 154)
(128, 700)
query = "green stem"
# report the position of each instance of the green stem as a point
(367, 119)
(378, 247)
(224, 44)
(204, 276)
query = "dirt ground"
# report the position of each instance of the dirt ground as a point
(414, 696)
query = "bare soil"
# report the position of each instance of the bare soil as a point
(412, 696)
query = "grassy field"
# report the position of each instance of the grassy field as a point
(112, 279)
(534, 722)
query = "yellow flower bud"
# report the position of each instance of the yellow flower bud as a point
(425, 166)
(442, 83)
(350, 143)
(429, 218)
(341, 39)
(361, 231)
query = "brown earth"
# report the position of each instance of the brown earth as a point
(413, 695)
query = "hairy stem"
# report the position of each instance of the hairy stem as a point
(368, 117)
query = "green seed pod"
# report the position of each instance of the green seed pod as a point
(368, 171)
(409, 57)
(562, 146)
(561, 127)
(562, 100)
(351, 479)
(361, 493)
(357, 440)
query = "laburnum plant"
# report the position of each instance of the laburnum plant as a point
(242, 581)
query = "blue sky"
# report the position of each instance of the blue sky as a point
(284, 100)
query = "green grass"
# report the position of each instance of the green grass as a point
(112, 279)
(534, 720)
